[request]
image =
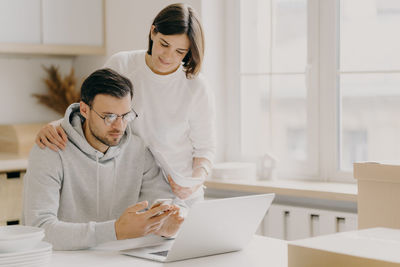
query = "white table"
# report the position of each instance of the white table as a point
(261, 251)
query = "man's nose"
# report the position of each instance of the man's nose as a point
(118, 123)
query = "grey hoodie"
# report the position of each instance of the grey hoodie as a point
(77, 194)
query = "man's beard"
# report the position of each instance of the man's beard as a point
(104, 140)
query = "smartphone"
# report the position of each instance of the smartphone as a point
(159, 202)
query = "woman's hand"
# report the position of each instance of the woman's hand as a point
(52, 137)
(182, 192)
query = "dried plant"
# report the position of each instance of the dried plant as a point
(60, 92)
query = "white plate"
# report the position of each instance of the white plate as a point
(41, 247)
(27, 262)
(26, 258)
(21, 244)
(13, 232)
(18, 238)
(24, 263)
(40, 263)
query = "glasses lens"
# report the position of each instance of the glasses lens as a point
(110, 118)
(129, 117)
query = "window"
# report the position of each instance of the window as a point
(273, 93)
(369, 81)
(317, 84)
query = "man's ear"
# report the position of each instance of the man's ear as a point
(84, 109)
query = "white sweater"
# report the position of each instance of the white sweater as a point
(176, 114)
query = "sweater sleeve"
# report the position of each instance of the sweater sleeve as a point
(42, 188)
(154, 184)
(202, 122)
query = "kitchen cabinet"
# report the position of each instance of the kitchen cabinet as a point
(72, 22)
(20, 21)
(58, 27)
(11, 188)
(16, 141)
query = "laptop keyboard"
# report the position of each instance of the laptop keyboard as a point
(161, 253)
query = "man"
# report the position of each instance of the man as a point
(78, 194)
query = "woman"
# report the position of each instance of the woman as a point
(174, 105)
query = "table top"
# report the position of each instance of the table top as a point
(261, 251)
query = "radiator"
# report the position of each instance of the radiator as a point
(291, 223)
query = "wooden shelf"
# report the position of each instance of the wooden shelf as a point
(41, 49)
(12, 162)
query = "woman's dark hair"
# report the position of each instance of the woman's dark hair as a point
(106, 82)
(179, 19)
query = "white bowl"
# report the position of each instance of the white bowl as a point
(18, 238)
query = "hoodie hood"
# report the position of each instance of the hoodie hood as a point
(72, 125)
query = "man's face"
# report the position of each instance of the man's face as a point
(109, 135)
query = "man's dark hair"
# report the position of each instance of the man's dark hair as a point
(106, 82)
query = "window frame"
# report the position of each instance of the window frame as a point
(323, 92)
(329, 130)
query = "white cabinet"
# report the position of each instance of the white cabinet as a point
(72, 22)
(11, 188)
(64, 27)
(20, 21)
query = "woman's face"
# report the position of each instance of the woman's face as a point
(168, 51)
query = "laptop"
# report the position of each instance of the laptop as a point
(211, 227)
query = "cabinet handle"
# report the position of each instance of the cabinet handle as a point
(13, 175)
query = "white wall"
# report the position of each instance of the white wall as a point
(20, 77)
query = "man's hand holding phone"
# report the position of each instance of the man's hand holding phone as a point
(170, 226)
(159, 202)
(136, 221)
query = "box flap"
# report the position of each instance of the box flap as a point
(373, 171)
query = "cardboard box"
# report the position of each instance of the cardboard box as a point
(363, 248)
(378, 195)
(18, 139)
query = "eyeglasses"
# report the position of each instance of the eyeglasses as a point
(111, 118)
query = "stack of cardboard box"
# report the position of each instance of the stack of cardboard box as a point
(378, 206)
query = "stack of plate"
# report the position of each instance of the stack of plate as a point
(23, 246)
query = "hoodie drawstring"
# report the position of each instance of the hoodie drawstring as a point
(113, 187)
(98, 186)
(114, 182)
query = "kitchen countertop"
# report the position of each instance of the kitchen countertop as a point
(12, 162)
(308, 189)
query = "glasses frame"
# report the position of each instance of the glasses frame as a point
(118, 116)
